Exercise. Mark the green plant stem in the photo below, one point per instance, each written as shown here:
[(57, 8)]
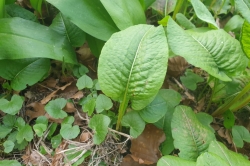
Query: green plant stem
[(227, 105), (243, 104), (121, 112), (2, 3), (178, 7)]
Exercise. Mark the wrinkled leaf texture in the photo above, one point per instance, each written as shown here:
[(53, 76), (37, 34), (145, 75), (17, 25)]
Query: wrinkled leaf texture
[(133, 64), (214, 51)]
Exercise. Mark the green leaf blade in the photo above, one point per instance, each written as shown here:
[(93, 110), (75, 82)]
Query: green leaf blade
[(99, 123), (215, 51), (103, 103), (190, 136), (54, 108), (244, 8), (174, 161), (245, 38), (11, 107), (139, 70), (31, 41), (90, 16)]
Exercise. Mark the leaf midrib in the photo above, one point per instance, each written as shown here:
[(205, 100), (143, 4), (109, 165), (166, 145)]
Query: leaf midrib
[(132, 66)]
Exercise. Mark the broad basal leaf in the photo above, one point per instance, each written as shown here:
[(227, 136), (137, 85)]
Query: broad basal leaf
[(63, 26), (133, 64), (13, 106), (125, 13), (215, 51), (245, 38), (234, 24), (99, 123), (90, 16), (23, 72), (230, 157), (174, 161), (190, 136), (69, 132), (84, 82), (25, 133), (243, 6), (8, 146), (184, 22), (202, 12), (165, 100), (31, 41)]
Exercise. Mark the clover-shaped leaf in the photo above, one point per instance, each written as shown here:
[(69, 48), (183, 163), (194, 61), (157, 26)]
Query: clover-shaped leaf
[(54, 108), (69, 132), (191, 79), (13, 106), (103, 103), (39, 129), (25, 133), (8, 146), (84, 82)]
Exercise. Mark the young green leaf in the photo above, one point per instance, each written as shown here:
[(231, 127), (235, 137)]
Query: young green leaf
[(56, 140), (4, 131), (99, 123), (63, 26), (139, 70), (125, 13), (84, 82), (203, 13), (37, 5), (8, 146), (13, 106), (133, 120), (230, 157), (229, 119), (20, 123), (52, 130), (89, 106), (9, 120), (39, 129), (10, 163), (25, 133), (234, 24), (68, 120), (190, 136), (90, 18), (243, 6), (215, 51), (79, 70), (103, 103), (42, 120), (240, 134), (245, 38), (184, 22), (29, 35), (54, 108), (191, 79), (165, 100), (174, 161), (69, 132)]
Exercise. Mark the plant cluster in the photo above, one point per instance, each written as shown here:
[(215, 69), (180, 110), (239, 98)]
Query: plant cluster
[(132, 64)]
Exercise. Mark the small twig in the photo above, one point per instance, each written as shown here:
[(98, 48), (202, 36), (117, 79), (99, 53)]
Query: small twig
[(87, 146), (120, 133), (43, 156), (183, 88)]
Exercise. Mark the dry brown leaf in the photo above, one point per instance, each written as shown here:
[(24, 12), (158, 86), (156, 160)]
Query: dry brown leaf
[(50, 83), (58, 157), (69, 108), (129, 161), (85, 136), (176, 66), (146, 147), (224, 133), (34, 110), (84, 53), (78, 95), (51, 95)]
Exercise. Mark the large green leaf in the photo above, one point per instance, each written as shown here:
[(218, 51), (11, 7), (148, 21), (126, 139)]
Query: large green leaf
[(210, 159), (202, 12), (190, 136), (243, 6), (245, 38), (125, 13), (230, 157), (174, 161), (23, 72), (215, 51), (63, 26), (27, 39), (133, 64), (88, 15)]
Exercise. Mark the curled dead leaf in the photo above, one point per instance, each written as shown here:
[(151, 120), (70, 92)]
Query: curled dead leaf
[(34, 110), (176, 66)]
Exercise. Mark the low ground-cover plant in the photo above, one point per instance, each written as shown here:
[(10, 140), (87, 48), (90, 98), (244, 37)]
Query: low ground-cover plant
[(131, 70)]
